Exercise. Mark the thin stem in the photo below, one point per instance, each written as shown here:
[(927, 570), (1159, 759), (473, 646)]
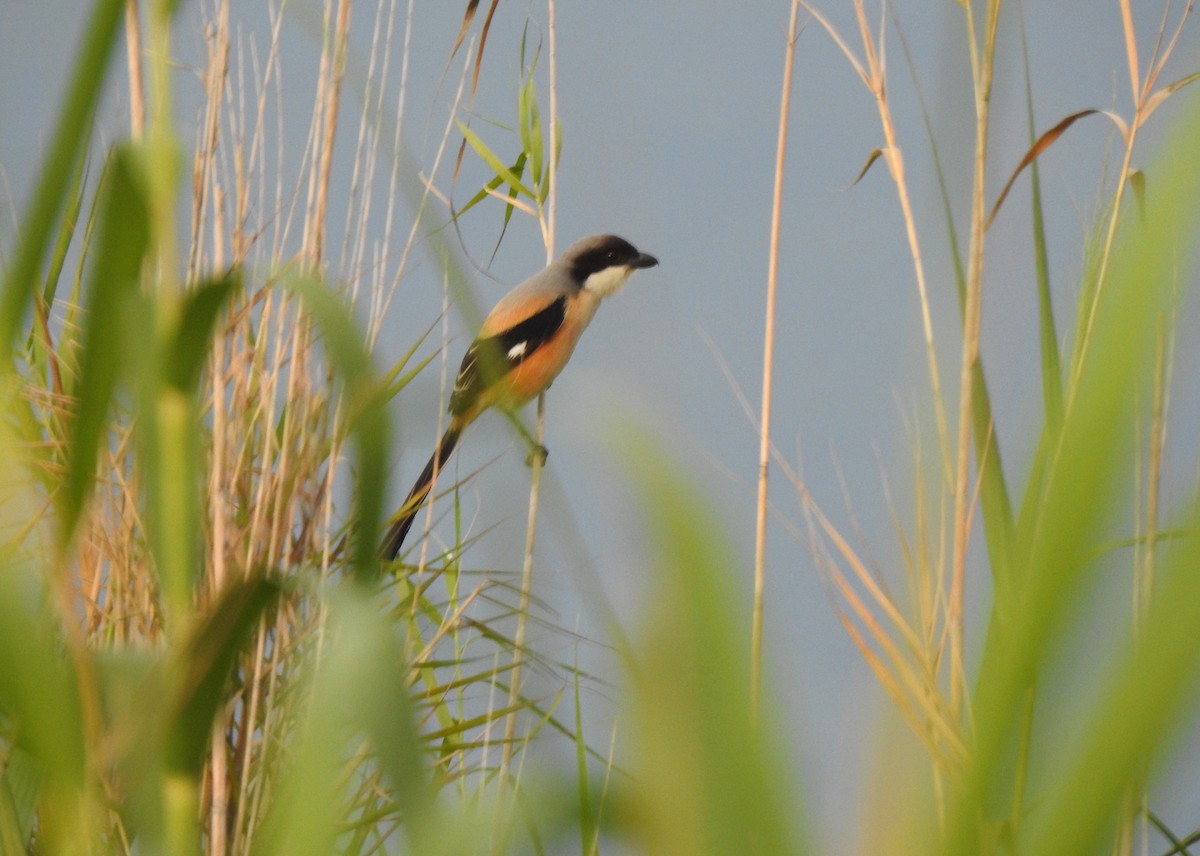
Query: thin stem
[(552, 178), (333, 90), (133, 52), (876, 78), (764, 447), (982, 66), (535, 478), (514, 691)]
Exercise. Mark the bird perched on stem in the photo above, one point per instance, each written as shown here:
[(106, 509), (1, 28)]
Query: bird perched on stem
[(523, 344)]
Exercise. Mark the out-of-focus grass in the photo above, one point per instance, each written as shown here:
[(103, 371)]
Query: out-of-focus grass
[(707, 775), (198, 652), (1000, 783)]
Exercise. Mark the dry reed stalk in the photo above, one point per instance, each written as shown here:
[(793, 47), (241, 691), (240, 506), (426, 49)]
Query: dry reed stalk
[(1146, 99), (524, 598), (552, 177), (911, 671), (271, 425), (982, 66), (268, 479), (872, 70), (133, 52), (546, 220), (764, 427), (216, 73)]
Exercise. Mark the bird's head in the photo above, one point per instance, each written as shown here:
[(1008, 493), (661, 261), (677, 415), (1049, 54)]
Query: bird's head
[(602, 263)]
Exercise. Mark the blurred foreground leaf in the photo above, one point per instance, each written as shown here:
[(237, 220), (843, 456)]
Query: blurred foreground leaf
[(1079, 482), (356, 690), (709, 778), (59, 168), (120, 250), (365, 398)]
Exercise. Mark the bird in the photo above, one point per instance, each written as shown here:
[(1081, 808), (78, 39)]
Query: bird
[(522, 346)]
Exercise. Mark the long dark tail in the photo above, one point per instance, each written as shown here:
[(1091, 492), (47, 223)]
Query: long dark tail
[(420, 491)]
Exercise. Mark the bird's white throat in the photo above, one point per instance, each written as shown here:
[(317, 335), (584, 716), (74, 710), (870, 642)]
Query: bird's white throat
[(602, 283)]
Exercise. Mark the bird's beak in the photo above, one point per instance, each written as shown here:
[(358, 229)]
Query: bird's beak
[(645, 260)]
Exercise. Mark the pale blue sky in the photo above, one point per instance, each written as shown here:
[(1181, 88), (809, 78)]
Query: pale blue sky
[(669, 114)]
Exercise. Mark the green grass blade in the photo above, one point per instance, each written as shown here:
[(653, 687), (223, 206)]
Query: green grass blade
[(1148, 692), (587, 821), (366, 414), (995, 503), (494, 163), (529, 119), (66, 232), (38, 698), (707, 775), (1086, 466), (205, 663), (357, 689), (66, 146), (518, 169), (1052, 401), (192, 341), (120, 250), (18, 800)]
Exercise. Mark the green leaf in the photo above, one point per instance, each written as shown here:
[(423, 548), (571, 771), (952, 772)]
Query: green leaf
[(707, 780), (38, 696), (366, 413), (205, 663), (357, 688), (191, 343), (1086, 462), (118, 255), (530, 123), (1151, 686), (494, 163), (518, 168), (18, 800), (58, 169)]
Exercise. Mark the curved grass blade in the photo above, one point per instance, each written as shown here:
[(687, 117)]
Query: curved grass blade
[(205, 663), (1085, 463), (875, 155), (66, 146), (708, 778), (356, 689), (468, 17), (1043, 142), (120, 250), (366, 413), (494, 163), (190, 346)]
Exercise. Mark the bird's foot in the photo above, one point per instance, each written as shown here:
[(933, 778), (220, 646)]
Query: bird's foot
[(539, 453)]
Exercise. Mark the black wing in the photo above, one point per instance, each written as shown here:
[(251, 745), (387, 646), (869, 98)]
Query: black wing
[(489, 359)]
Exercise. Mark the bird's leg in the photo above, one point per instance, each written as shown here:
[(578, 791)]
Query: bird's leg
[(536, 449)]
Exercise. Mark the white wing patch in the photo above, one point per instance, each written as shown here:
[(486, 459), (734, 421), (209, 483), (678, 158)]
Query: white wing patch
[(517, 351)]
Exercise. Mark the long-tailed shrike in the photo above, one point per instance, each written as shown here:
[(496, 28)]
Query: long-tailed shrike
[(524, 343)]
